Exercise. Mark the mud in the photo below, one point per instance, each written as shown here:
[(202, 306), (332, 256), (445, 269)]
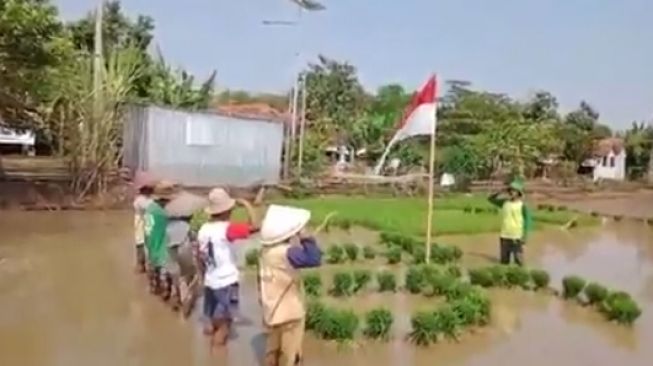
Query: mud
[(69, 297)]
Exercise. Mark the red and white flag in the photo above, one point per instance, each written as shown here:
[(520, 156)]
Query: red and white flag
[(418, 119)]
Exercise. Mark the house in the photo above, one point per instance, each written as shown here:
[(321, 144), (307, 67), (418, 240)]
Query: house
[(608, 159), (202, 149)]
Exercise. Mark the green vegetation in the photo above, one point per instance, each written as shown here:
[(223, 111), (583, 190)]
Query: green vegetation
[(621, 308), (315, 313), (387, 281), (481, 277), (335, 254), (393, 255), (425, 328), (541, 279), (595, 293), (362, 278), (312, 284), (369, 252), (352, 251), (343, 284), (378, 323), (251, 257), (415, 279), (401, 220), (518, 276), (572, 286), (337, 325)]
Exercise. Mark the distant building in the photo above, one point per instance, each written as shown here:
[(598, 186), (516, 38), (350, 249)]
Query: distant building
[(203, 149), (608, 159)]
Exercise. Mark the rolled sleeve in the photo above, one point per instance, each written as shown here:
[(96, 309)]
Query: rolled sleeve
[(306, 255)]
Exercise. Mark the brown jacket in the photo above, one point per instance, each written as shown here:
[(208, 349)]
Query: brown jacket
[(280, 286)]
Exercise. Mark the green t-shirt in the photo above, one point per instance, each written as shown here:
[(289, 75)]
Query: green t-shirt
[(156, 238)]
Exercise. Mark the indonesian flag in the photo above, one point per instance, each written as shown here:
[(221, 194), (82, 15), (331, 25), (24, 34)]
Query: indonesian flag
[(418, 119)]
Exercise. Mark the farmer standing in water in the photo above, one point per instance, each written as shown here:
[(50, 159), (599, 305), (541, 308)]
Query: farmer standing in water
[(286, 249), (515, 222)]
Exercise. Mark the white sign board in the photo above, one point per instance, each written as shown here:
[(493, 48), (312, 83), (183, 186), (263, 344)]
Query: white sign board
[(12, 137)]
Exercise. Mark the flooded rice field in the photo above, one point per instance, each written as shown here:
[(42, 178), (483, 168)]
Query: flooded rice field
[(68, 296)]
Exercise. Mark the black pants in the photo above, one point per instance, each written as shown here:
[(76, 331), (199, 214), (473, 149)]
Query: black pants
[(511, 247)]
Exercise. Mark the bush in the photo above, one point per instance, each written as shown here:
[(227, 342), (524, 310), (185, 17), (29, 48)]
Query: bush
[(444, 254), (343, 284), (499, 275), (457, 289), (454, 271), (595, 293), (572, 286), (312, 284), (315, 313), (448, 322), (415, 279), (352, 251), (251, 257), (419, 255), (378, 323), (481, 276), (424, 328), (335, 254), (387, 281), (393, 255), (439, 284), (361, 278), (369, 252), (621, 308), (518, 276), (473, 309), (540, 279), (338, 325)]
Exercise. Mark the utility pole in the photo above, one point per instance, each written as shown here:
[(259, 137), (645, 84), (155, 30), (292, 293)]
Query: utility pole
[(302, 127), (97, 55)]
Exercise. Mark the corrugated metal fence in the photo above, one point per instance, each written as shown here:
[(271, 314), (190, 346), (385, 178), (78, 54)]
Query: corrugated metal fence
[(202, 149)]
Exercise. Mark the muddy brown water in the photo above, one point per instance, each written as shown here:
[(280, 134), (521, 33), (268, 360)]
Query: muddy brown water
[(68, 296)]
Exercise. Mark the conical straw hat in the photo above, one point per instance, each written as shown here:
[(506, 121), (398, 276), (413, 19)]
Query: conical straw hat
[(185, 204), (282, 222)]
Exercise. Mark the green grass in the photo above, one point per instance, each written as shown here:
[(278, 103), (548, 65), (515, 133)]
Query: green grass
[(453, 214), (407, 215)]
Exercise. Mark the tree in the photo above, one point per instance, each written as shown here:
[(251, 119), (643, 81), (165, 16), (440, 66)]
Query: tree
[(31, 43), (639, 144), (177, 88), (542, 107), (335, 98), (583, 118), (118, 30)]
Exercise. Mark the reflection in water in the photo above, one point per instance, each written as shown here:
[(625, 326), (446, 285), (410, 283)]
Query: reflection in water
[(69, 297)]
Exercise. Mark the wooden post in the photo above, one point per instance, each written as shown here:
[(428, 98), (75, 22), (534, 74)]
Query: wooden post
[(429, 214)]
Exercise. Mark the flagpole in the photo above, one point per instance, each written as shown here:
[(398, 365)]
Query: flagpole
[(429, 214)]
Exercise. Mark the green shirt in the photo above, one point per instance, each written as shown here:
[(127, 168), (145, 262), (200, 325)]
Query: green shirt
[(516, 220), (156, 238)]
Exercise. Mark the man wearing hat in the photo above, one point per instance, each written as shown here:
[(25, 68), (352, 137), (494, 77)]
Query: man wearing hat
[(144, 185), (156, 222), (221, 274), (179, 267), (285, 250), (516, 222)]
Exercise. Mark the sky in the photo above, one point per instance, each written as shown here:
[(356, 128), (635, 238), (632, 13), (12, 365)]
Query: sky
[(597, 50)]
